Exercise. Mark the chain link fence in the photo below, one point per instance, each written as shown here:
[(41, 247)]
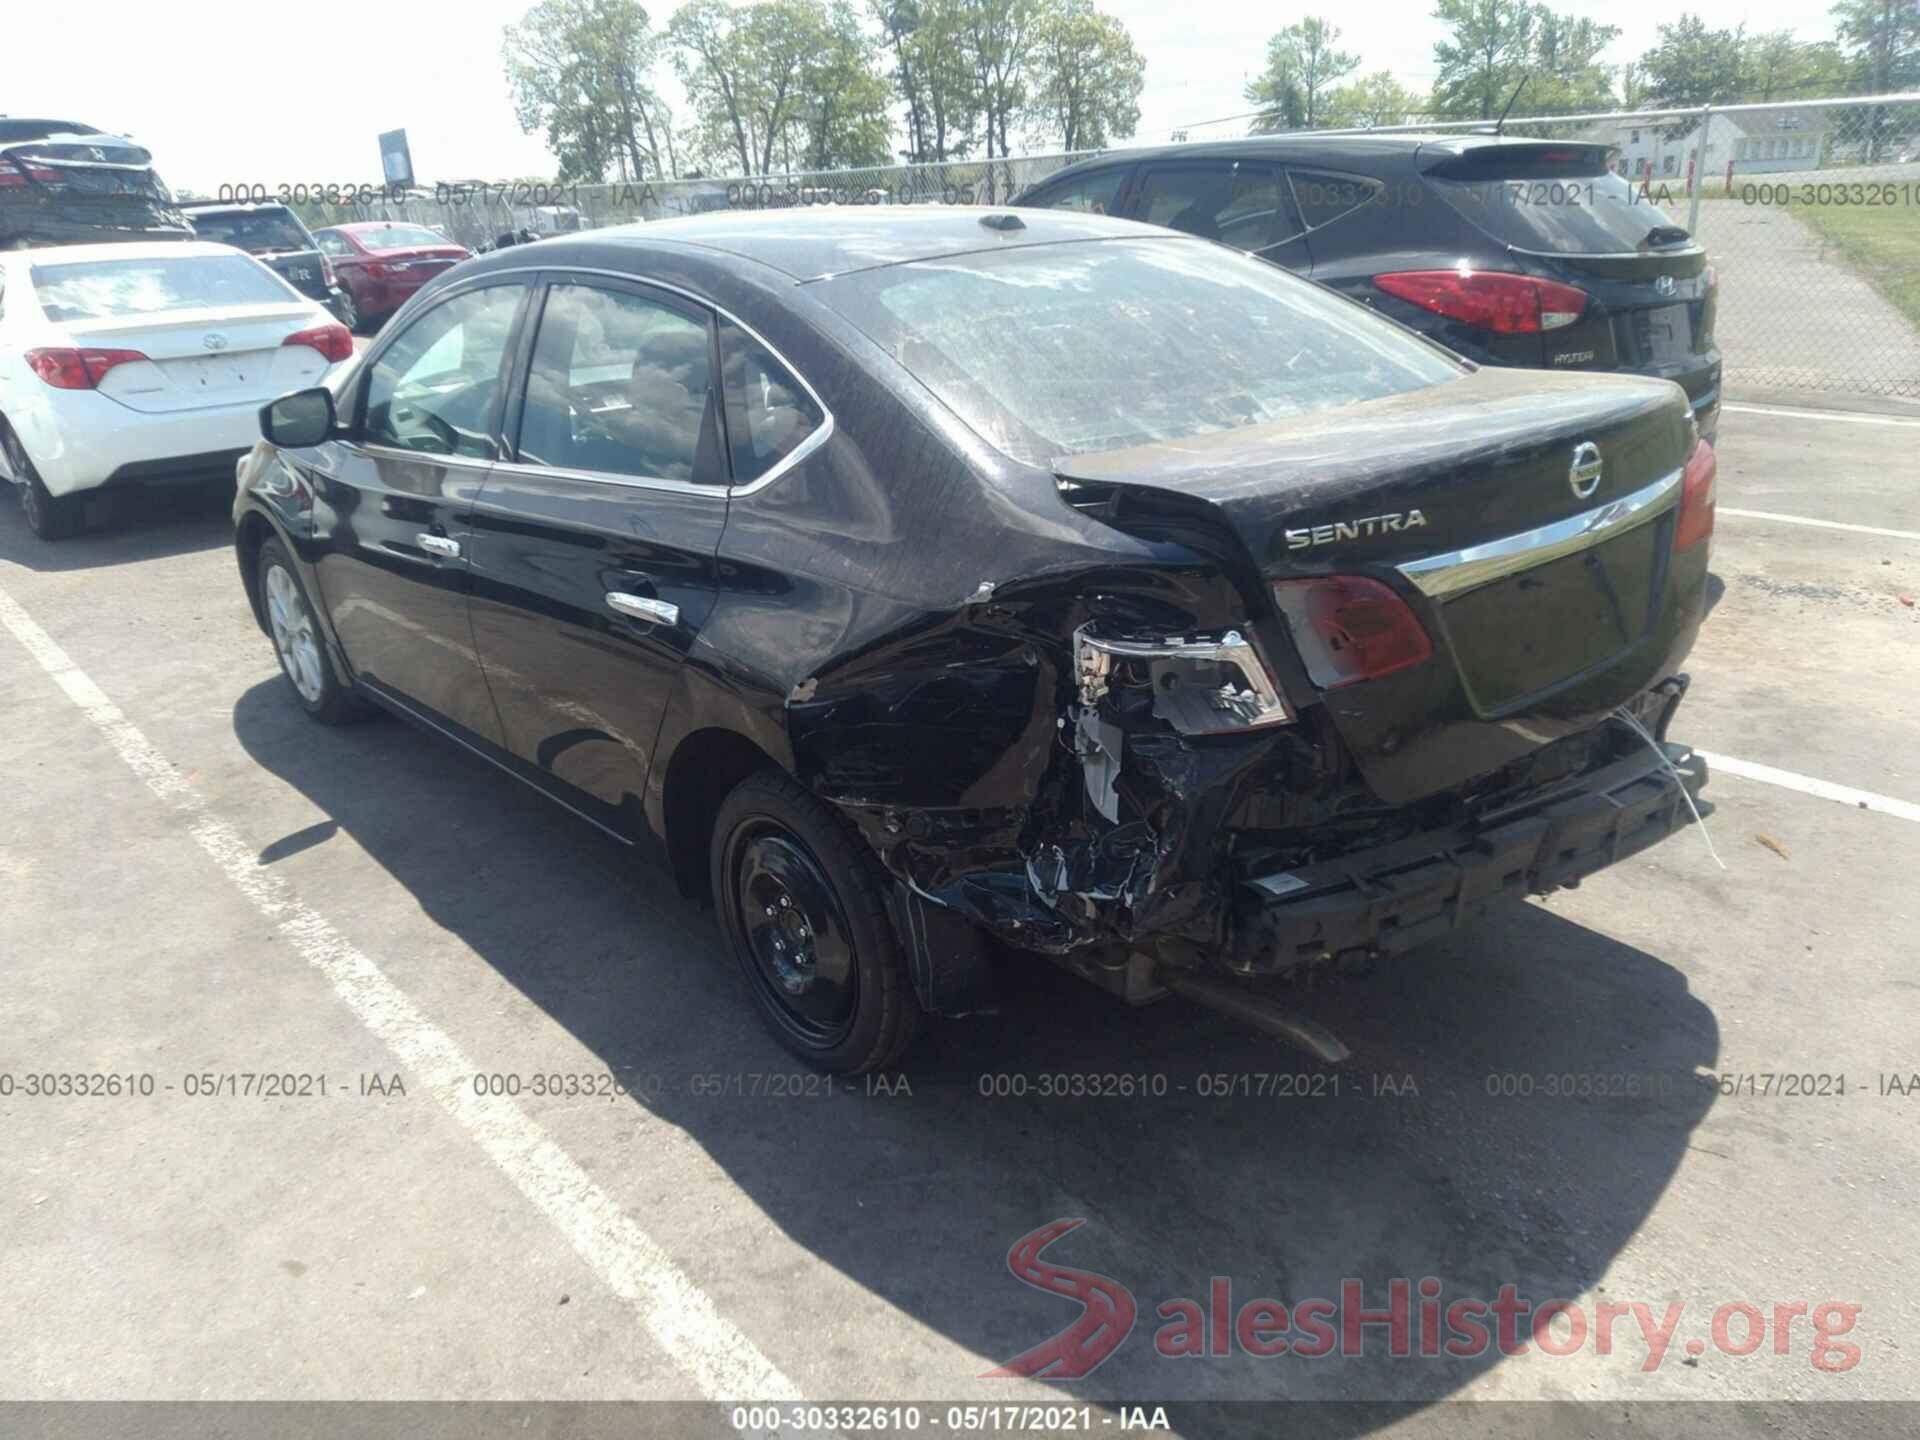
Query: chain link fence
[(1810, 212)]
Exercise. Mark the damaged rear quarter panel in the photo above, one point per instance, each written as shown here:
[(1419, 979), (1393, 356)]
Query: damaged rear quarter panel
[(896, 616)]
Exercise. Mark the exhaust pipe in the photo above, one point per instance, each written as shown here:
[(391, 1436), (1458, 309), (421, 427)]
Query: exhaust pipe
[(1263, 1014)]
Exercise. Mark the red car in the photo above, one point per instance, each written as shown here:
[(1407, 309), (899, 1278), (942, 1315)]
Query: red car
[(380, 263)]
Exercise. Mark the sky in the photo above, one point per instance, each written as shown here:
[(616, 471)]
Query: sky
[(224, 92)]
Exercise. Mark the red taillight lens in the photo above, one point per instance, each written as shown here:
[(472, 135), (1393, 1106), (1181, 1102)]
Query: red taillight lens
[(1489, 299), (333, 341), (375, 269), (78, 369), (326, 272), (1696, 498), (16, 172), (1350, 628)]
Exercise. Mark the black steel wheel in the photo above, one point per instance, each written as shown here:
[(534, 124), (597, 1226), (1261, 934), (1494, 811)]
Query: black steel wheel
[(803, 903)]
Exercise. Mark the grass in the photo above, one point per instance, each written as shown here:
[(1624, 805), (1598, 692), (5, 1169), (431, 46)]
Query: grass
[(1881, 242)]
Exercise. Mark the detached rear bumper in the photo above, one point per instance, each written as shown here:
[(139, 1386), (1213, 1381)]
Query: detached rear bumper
[(1398, 896)]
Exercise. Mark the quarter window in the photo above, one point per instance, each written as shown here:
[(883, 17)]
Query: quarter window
[(331, 244), (622, 384), (433, 389), (769, 412), (1324, 198), (1089, 194)]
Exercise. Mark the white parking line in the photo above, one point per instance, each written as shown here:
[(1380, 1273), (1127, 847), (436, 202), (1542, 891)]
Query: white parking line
[(722, 1361), (1817, 524), (1839, 417), (1807, 785)]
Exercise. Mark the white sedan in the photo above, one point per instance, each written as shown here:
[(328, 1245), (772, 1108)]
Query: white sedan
[(143, 364)]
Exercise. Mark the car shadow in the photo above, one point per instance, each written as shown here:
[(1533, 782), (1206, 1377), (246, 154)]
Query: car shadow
[(123, 527), (1461, 1142)]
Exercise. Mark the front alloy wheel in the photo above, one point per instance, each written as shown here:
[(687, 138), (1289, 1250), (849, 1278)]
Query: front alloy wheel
[(297, 641)]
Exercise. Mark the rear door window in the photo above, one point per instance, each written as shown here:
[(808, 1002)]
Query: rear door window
[(1563, 201), (622, 384), (1090, 194), (1234, 202)]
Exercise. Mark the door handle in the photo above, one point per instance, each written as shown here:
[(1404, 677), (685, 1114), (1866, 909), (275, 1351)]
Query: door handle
[(642, 607), (439, 545)]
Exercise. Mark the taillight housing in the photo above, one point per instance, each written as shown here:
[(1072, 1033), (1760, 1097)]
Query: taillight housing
[(333, 341), (1489, 299), (66, 369), (1696, 497), (1349, 628), (18, 172), (326, 272)]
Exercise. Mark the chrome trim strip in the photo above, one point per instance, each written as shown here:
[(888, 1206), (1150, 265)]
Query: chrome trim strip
[(1094, 657), (413, 457), (799, 452), (1439, 576)]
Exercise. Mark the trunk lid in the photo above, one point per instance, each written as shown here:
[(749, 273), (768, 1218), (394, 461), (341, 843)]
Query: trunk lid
[(197, 359), (1546, 606)]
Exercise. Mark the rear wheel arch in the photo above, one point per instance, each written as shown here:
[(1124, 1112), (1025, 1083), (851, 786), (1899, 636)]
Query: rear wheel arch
[(704, 769)]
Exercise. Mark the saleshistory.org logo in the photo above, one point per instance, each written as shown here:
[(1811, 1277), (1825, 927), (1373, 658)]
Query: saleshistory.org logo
[(1413, 1321)]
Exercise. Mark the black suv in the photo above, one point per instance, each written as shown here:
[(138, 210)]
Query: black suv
[(1510, 252), (63, 182), (275, 236)]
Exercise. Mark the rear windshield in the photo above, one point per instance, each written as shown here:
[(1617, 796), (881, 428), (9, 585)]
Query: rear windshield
[(1566, 202), (1061, 349), (100, 289), (399, 237), (259, 232), (12, 131)]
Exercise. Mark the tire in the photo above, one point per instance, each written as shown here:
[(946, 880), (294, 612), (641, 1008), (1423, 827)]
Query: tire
[(50, 516), (349, 311), (297, 641), (802, 901)]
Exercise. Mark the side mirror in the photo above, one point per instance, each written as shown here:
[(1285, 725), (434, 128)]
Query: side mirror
[(299, 420)]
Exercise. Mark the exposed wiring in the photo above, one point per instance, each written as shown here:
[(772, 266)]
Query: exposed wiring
[(1634, 724)]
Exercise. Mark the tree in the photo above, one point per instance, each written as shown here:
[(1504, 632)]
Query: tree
[(1483, 58), (780, 79), (1378, 99), (1776, 66), (1565, 74), (1303, 64), (580, 70), (1693, 65), (938, 48), (1088, 76), (845, 121), (1002, 36), (1883, 40)]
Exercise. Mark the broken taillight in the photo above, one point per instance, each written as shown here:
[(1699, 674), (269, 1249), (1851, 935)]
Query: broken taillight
[(1696, 497), (1349, 628)]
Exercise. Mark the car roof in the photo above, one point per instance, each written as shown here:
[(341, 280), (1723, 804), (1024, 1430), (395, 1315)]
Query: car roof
[(1357, 149), (367, 227), (15, 128), (811, 243), (134, 250), (237, 207)]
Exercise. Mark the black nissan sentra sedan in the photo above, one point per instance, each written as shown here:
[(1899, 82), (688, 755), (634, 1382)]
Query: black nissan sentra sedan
[(1510, 251), (943, 583)]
